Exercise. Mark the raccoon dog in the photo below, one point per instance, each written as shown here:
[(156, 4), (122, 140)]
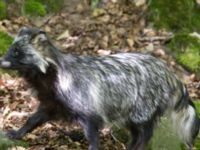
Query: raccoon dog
[(131, 90)]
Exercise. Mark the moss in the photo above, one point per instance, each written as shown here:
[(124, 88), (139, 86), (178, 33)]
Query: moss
[(186, 51), (191, 59), (6, 143), (197, 106), (34, 8), (177, 15), (3, 13), (164, 137), (5, 42)]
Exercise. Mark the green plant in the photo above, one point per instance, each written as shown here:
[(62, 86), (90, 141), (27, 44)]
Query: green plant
[(34, 8), (52, 5), (197, 105), (3, 11), (191, 59), (6, 143), (176, 15), (5, 42), (164, 137), (186, 51)]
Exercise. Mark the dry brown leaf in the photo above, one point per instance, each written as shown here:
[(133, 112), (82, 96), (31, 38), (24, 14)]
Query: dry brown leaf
[(130, 42), (160, 53), (104, 52), (17, 148), (15, 114), (31, 136), (64, 35), (139, 3), (98, 12), (104, 19)]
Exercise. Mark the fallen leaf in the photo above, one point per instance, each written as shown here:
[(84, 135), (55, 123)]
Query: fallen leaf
[(104, 52), (98, 12), (17, 148), (139, 3), (105, 18), (31, 136), (160, 53), (130, 42), (64, 35)]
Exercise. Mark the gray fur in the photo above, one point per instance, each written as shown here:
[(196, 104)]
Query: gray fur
[(126, 89)]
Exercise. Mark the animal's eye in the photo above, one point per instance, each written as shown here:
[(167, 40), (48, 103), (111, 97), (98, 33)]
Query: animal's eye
[(16, 53)]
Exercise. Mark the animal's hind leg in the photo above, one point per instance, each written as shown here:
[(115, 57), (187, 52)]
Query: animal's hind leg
[(91, 131), (140, 136), (134, 135)]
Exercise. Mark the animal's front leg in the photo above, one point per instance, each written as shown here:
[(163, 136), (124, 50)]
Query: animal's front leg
[(37, 119)]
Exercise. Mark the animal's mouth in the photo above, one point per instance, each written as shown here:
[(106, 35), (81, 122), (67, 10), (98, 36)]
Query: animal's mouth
[(6, 64)]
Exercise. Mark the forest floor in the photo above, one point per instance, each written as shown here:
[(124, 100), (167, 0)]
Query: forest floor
[(110, 29)]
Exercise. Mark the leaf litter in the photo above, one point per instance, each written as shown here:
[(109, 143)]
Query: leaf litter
[(109, 29)]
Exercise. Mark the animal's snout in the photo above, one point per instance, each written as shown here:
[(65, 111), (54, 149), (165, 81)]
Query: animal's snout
[(4, 63)]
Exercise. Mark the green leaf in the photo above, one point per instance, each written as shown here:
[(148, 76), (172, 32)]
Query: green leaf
[(175, 15), (5, 42), (34, 8), (186, 51), (3, 12)]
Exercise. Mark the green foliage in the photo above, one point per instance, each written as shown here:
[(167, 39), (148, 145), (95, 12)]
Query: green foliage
[(52, 5), (164, 137), (6, 143), (5, 42), (94, 3), (186, 51), (3, 12), (197, 105), (190, 59), (176, 15), (34, 8), (10, 1), (31, 7)]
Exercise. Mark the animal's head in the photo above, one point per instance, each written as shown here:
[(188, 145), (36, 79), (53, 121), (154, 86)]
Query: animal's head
[(31, 49)]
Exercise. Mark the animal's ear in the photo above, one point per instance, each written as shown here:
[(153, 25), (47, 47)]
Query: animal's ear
[(23, 31), (35, 34), (23, 35), (39, 37)]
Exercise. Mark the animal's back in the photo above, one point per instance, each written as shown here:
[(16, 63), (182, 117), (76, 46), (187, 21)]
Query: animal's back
[(127, 84)]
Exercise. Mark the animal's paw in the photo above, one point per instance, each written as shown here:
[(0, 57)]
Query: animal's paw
[(14, 135)]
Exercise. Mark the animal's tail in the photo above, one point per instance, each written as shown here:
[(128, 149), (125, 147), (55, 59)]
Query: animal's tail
[(185, 120)]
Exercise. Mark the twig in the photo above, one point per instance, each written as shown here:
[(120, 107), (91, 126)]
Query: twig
[(155, 38)]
